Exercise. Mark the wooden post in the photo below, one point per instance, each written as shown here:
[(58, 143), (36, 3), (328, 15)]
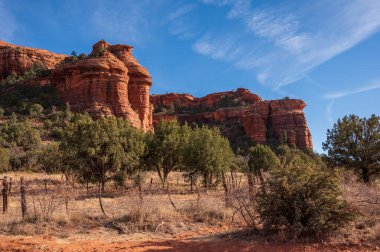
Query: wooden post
[(5, 194), (10, 186), (23, 198), (191, 183)]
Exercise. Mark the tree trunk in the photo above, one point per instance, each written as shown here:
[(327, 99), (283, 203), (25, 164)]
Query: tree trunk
[(191, 183), (103, 182), (100, 199), (162, 178), (5, 195), (23, 198), (233, 183), (205, 181), (250, 186), (226, 192), (365, 174), (170, 199), (261, 178)]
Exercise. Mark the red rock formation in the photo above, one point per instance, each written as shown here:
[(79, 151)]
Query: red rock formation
[(261, 120), (19, 59), (109, 82), (211, 100)]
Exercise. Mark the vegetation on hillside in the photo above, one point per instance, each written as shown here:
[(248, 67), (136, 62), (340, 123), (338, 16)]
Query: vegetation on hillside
[(287, 190)]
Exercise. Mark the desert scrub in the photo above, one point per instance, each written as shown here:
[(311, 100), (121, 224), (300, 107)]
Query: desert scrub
[(303, 199), (207, 211)]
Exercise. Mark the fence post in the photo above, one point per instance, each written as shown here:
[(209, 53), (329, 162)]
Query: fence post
[(10, 186), (23, 197), (5, 194)]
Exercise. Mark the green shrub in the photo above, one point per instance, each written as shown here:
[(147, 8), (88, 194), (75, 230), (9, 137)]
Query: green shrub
[(4, 159), (82, 56), (1, 112), (303, 199), (20, 134), (35, 110), (48, 124)]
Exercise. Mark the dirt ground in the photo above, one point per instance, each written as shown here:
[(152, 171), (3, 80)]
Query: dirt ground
[(185, 243)]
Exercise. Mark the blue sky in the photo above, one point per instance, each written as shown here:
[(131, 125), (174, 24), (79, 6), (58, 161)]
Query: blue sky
[(324, 52)]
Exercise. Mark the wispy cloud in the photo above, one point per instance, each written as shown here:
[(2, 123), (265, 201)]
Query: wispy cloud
[(123, 21), (7, 23), (180, 22), (224, 49), (286, 44), (340, 94), (182, 10), (329, 112)]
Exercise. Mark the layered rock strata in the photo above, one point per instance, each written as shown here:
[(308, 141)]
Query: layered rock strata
[(262, 120), (108, 82)]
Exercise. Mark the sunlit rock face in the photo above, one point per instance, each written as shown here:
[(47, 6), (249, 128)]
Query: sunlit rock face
[(108, 82), (262, 120), (18, 59)]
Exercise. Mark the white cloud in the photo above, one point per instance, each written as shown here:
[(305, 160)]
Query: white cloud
[(181, 22), (340, 94), (217, 2), (224, 48), (124, 21), (7, 23), (287, 44), (329, 112), (182, 10)]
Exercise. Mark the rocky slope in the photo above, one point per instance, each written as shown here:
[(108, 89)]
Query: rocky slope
[(262, 121), (108, 82)]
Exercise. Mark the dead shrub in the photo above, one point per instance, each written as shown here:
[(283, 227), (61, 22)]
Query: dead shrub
[(210, 211), (46, 202), (145, 215), (243, 206)]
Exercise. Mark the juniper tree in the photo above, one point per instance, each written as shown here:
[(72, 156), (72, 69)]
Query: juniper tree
[(354, 142)]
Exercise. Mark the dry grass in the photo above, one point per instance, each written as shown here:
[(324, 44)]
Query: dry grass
[(56, 208), (63, 211), (366, 199)]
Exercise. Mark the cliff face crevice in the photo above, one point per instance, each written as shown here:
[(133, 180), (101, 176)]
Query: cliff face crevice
[(263, 121)]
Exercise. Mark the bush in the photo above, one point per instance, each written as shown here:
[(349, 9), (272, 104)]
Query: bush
[(35, 110), (303, 199), (82, 56), (4, 160)]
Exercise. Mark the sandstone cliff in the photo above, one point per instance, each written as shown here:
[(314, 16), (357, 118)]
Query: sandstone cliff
[(18, 59), (108, 82), (262, 121)]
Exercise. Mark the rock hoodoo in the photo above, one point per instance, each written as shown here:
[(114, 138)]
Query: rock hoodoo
[(108, 82), (261, 120)]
